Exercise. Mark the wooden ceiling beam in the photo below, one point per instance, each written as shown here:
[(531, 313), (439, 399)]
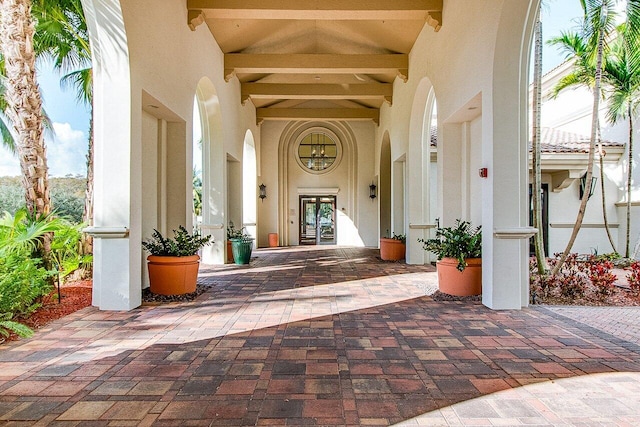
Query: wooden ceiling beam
[(315, 64), (317, 114), (317, 91), (352, 10)]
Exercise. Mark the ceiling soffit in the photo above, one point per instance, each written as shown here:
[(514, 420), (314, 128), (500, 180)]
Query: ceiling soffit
[(288, 53)]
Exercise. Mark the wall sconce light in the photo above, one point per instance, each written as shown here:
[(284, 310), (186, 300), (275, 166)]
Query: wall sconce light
[(583, 185), (372, 191), (263, 192)]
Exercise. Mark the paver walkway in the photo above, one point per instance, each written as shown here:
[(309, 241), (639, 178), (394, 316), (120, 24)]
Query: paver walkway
[(320, 336)]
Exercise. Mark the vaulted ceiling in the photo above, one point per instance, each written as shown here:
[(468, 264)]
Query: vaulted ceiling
[(316, 59)]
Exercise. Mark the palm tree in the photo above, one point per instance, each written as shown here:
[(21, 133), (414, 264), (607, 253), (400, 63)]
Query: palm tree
[(583, 74), (599, 21), (536, 184), (61, 35), (6, 133), (24, 103), (623, 79)]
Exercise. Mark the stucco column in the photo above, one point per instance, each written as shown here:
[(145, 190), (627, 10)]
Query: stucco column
[(450, 174), (117, 250), (505, 273)]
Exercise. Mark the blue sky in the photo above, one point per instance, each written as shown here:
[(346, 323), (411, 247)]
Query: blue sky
[(66, 149)]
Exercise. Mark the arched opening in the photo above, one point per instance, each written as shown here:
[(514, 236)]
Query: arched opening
[(207, 108), (197, 166), (398, 183), (249, 186), (430, 158), (385, 187), (422, 166)]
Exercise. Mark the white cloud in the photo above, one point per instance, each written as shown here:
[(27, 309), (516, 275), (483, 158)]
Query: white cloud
[(9, 165), (66, 153)]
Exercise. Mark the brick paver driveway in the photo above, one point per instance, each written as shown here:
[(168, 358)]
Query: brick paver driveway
[(320, 336)]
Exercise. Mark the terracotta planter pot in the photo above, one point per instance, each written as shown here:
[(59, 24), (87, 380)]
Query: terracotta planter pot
[(229, 252), (460, 283), (392, 249), (173, 275), (273, 240)]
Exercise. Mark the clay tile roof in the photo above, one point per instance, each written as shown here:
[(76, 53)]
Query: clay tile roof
[(553, 141), (558, 141)]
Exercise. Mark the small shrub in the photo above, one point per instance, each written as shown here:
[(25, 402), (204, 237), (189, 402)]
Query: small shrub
[(634, 276), (570, 282), (23, 281), (66, 251), (539, 286), (599, 271), (611, 256), (572, 285)]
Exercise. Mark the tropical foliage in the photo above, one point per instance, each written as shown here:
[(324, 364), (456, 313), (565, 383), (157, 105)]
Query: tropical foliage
[(183, 243), (24, 279), (461, 241)]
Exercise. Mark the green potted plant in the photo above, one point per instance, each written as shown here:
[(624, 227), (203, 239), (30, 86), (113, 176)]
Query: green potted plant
[(459, 252), (393, 248), (173, 262), (232, 233), (241, 246)]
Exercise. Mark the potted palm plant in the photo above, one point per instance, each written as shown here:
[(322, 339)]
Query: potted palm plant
[(173, 262), (459, 252)]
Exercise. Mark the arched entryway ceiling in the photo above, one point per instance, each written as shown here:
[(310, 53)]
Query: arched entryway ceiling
[(316, 59)]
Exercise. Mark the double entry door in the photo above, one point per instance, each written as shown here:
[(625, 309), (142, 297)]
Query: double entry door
[(317, 220)]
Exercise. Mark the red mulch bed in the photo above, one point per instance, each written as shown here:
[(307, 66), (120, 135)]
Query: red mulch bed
[(75, 296)]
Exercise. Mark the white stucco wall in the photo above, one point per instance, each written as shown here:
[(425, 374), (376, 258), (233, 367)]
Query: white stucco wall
[(563, 208)]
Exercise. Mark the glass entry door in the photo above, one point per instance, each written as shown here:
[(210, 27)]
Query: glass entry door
[(317, 220)]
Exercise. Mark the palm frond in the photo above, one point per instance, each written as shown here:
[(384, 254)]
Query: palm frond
[(62, 37), (8, 141), (82, 82)]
